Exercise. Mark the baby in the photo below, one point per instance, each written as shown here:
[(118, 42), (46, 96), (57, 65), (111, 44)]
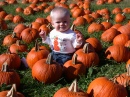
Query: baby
[(62, 40)]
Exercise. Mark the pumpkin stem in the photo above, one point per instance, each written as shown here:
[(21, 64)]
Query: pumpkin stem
[(74, 59), (49, 26), (36, 45), (18, 42), (73, 27), (128, 70), (86, 47), (74, 87), (13, 35), (5, 67), (12, 92), (49, 59)]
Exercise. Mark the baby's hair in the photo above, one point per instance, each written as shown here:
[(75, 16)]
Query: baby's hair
[(60, 10)]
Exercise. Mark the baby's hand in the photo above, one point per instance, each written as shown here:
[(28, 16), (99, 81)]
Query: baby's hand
[(42, 34), (79, 38)]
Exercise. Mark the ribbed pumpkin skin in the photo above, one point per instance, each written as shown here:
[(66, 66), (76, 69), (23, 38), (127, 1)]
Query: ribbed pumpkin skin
[(88, 59), (47, 73), (9, 77), (109, 35), (103, 87), (33, 56), (64, 92), (72, 71), (13, 60), (29, 34), (4, 93), (118, 53)]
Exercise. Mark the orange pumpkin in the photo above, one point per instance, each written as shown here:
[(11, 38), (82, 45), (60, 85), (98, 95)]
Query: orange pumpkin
[(103, 87), (73, 69), (36, 53), (73, 90), (45, 69)]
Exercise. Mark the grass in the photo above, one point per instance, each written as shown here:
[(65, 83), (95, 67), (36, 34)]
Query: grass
[(32, 88)]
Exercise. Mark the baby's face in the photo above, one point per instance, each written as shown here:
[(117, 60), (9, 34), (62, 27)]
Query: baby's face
[(61, 23)]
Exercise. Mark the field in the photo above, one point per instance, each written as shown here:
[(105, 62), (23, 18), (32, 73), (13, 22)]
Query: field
[(107, 68)]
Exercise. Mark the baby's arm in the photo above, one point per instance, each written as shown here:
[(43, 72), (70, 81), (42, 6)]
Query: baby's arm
[(79, 38), (42, 34)]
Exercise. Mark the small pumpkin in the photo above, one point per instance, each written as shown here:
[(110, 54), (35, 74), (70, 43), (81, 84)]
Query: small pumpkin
[(9, 39), (73, 69), (18, 47)]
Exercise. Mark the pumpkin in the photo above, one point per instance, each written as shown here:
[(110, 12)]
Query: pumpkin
[(79, 21), (9, 17), (45, 69), (103, 87), (41, 20), (2, 14), (9, 39), (28, 11), (116, 26), (120, 17), (11, 93), (35, 25), (3, 24), (88, 18), (29, 34), (116, 10), (121, 39), (125, 29), (118, 53), (36, 53), (12, 59), (87, 55), (19, 10), (124, 78), (18, 29), (18, 19), (73, 69), (95, 43), (106, 24), (72, 91), (95, 27), (18, 47), (9, 76), (77, 12), (109, 35)]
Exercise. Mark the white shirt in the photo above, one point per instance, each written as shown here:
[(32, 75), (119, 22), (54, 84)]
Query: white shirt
[(62, 42)]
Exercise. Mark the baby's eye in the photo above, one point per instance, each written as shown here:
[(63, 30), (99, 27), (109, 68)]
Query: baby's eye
[(65, 21), (57, 22)]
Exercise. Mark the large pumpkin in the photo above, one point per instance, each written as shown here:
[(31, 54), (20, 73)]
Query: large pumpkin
[(45, 69), (118, 53), (36, 53), (103, 87), (72, 91)]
